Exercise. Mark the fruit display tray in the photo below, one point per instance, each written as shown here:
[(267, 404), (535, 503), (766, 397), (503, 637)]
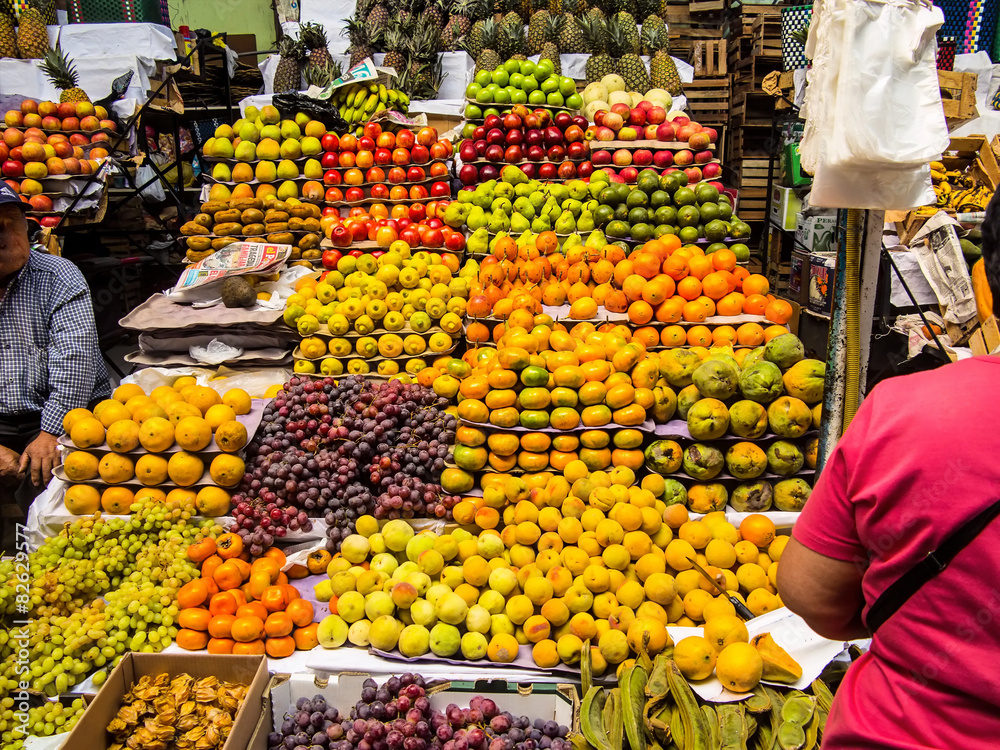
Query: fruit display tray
[(533, 107), (324, 331), (369, 200), (251, 421), (134, 484), (297, 354), (677, 429), (652, 145), (483, 162), (487, 427), (297, 233), (326, 244), (88, 133), (304, 159)]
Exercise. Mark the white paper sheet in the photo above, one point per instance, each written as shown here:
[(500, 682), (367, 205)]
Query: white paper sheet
[(906, 261)]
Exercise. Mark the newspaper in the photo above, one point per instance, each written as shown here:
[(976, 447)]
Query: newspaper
[(939, 254), (232, 260)]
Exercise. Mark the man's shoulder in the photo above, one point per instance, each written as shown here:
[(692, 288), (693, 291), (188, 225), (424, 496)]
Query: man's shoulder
[(43, 263)]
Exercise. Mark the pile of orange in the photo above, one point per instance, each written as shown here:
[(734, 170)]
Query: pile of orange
[(662, 281), (241, 608)]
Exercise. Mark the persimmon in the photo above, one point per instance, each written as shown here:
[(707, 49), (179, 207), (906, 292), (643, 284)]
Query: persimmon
[(209, 566), (244, 567), (282, 579), (278, 624), (266, 565), (194, 618), (253, 648), (279, 648), (192, 640), (192, 594), (213, 587), (221, 645), (254, 609), (229, 546), (227, 576), (248, 628), (221, 626), (259, 582), (307, 638), (291, 593), (301, 612), (274, 598), (202, 550), (223, 603), (273, 553)]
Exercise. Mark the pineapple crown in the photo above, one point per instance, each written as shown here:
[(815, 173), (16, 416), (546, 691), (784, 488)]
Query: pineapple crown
[(617, 43), (7, 9), (552, 26), (514, 37), (312, 35), (490, 34), (594, 31), (655, 38), (291, 48), (322, 75), (569, 7), (462, 8), (59, 69)]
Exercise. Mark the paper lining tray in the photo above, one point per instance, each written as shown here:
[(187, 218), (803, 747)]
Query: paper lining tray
[(297, 354)]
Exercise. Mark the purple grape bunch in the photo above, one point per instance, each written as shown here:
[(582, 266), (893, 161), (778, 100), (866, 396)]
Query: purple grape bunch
[(342, 449), (398, 716)]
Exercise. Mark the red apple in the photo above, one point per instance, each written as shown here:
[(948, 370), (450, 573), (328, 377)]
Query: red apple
[(513, 138), (711, 171), (584, 169), (694, 175), (656, 115), (683, 158), (637, 117), (601, 156), (71, 123), (703, 157), (13, 169), (681, 120), (663, 158), (622, 157), (649, 132), (577, 150), (416, 174), (488, 172), (629, 175), (468, 174), (547, 171), (643, 157), (621, 109), (556, 153), (513, 154), (535, 153), (712, 133), (567, 170), (699, 141), (613, 120), (72, 165), (529, 170), (441, 189), (605, 134), (573, 133), (494, 152), (599, 116)]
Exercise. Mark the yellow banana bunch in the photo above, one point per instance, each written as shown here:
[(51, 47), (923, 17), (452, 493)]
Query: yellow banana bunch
[(357, 102)]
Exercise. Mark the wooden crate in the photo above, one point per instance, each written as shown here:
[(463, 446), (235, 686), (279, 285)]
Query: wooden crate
[(751, 71), (766, 35), (708, 100), (709, 59), (958, 94), (707, 6), (742, 19), (750, 143), (753, 110)]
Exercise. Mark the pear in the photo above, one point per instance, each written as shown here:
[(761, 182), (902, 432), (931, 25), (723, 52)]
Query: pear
[(289, 129), (513, 175), (575, 207), (219, 192), (541, 224), (572, 241), (553, 210), (537, 200), (268, 114), (595, 188), (246, 151), (252, 113), (242, 172), (258, 123), (221, 172), (249, 133), (265, 171), (596, 240), (456, 213), (225, 131), (477, 218), (502, 204), (523, 206), (577, 189), (464, 196), (313, 169), (268, 148), (310, 146), (288, 189), (222, 149), (287, 170), (586, 222), (559, 191), (270, 131), (478, 241), (239, 124), (505, 190), (499, 222), (301, 119), (291, 149), (519, 224), (779, 666)]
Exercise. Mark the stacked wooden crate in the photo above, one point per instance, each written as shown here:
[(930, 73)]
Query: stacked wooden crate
[(754, 51), (708, 94), (692, 21)]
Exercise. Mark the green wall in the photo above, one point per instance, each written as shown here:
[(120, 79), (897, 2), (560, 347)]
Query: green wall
[(232, 16)]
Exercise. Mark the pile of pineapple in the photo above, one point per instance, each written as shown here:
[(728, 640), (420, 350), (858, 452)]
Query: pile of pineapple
[(26, 37)]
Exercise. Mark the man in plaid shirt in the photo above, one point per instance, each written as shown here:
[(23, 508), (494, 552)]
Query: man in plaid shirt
[(49, 358)]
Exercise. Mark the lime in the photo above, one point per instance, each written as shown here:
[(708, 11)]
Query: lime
[(709, 211), (688, 234), (574, 101), (663, 229), (688, 216), (659, 198), (715, 231), (638, 215), (555, 99), (682, 178), (637, 198), (617, 229), (715, 246), (724, 198), (609, 197), (684, 196), (603, 214), (741, 251), (707, 193), (642, 232), (648, 183), (740, 230), (665, 215), (621, 212), (527, 67), (623, 191), (536, 97), (725, 211), (484, 78), (501, 77), (550, 84)]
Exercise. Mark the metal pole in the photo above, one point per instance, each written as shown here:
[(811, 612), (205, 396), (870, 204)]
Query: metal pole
[(870, 264)]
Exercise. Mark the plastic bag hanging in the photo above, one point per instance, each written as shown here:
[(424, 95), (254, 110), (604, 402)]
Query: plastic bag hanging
[(874, 119)]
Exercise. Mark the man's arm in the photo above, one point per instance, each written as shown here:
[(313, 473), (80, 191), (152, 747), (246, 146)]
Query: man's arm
[(824, 592), (10, 471)]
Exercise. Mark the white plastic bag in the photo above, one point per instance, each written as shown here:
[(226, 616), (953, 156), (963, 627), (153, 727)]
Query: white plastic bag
[(873, 111), (215, 353), (153, 191)]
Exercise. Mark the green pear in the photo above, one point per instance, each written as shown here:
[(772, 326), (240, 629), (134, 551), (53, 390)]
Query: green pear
[(259, 123), (268, 148), (505, 189), (464, 196), (289, 129), (572, 241), (541, 223), (577, 189), (479, 241), (566, 223), (287, 170), (313, 169), (559, 191), (222, 148), (585, 223), (270, 131), (221, 172), (456, 214), (249, 133), (477, 218), (499, 222), (310, 146), (553, 211), (482, 199), (288, 189), (523, 190), (523, 206), (291, 149), (512, 174), (537, 200), (596, 240), (246, 151), (301, 119), (239, 124), (502, 204), (519, 224), (575, 207), (265, 171)]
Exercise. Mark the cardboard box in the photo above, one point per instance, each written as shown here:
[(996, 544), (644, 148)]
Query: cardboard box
[(822, 270), (974, 151), (91, 732), (798, 277), (816, 233), (557, 702), (785, 206)]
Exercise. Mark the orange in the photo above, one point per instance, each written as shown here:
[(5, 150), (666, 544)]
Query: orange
[(779, 311), (689, 288), (673, 336), (756, 284), (640, 312), (724, 259), (676, 266), (656, 248), (740, 273), (670, 311), (750, 334), (755, 304), (633, 286), (757, 529), (708, 304), (715, 285), (724, 336), (658, 290), (647, 265), (771, 331), (699, 336), (647, 336), (731, 304), (694, 312), (701, 266)]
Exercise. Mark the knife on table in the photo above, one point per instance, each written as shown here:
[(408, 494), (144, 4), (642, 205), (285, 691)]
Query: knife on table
[(741, 608)]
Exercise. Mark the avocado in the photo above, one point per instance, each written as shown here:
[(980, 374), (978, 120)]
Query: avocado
[(971, 251), (237, 292)]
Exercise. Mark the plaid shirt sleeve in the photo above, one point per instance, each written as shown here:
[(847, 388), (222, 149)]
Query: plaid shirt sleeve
[(72, 368)]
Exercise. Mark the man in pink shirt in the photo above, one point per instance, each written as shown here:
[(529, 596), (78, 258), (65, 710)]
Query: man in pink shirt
[(920, 459)]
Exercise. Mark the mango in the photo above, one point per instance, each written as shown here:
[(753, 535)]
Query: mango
[(784, 350), (664, 456), (804, 380), (761, 382)]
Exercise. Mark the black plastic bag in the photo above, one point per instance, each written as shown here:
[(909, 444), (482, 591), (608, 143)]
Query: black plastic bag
[(291, 102)]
